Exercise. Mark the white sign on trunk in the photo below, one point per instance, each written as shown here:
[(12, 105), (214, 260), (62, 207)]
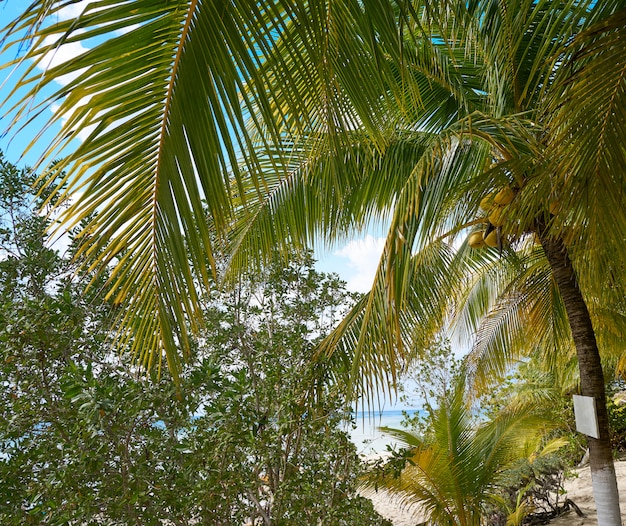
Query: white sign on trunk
[(586, 416)]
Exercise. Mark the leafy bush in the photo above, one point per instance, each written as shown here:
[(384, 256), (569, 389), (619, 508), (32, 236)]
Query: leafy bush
[(253, 433), (530, 489), (617, 416)]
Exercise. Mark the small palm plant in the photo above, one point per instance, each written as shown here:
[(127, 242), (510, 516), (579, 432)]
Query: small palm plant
[(453, 470)]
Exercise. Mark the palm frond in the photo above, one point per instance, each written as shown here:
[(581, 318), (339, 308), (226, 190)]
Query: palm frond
[(172, 95), (586, 117), (454, 474)]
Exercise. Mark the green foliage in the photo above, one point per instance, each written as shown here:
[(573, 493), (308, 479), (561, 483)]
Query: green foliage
[(526, 481), (617, 415), (455, 470), (529, 486), (252, 432), (276, 417), (530, 384), (429, 380)]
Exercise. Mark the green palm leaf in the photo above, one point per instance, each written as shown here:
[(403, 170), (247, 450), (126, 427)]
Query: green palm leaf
[(453, 473), (586, 112), (172, 96)]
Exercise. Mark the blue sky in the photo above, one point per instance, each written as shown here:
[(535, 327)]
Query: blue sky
[(13, 140)]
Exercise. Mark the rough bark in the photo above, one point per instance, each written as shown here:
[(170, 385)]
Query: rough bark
[(604, 482)]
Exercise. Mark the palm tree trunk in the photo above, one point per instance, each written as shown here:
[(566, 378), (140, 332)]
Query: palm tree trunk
[(603, 477)]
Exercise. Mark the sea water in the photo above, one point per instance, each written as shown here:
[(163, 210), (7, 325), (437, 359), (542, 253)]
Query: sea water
[(368, 438)]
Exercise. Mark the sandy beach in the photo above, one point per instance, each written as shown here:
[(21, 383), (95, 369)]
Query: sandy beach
[(390, 508), (578, 490)]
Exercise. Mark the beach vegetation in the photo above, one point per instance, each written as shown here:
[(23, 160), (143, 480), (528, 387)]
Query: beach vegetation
[(468, 470), (253, 433), (527, 486), (294, 121)]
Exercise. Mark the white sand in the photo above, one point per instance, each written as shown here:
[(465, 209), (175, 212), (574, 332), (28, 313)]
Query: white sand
[(388, 505), (391, 509), (578, 490)]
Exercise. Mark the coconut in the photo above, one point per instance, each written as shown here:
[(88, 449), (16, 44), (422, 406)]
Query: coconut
[(504, 196), (486, 202), (475, 240), (492, 239), (496, 218)]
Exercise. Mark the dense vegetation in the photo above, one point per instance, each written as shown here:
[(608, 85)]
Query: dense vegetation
[(254, 430), (488, 135), (496, 459)]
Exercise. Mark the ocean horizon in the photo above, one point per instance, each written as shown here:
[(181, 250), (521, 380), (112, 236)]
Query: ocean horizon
[(367, 437)]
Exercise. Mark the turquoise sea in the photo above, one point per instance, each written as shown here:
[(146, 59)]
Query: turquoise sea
[(368, 439)]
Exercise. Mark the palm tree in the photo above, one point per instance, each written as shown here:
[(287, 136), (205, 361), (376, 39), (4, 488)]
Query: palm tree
[(169, 96), (530, 66), (342, 112), (514, 80), (453, 472)]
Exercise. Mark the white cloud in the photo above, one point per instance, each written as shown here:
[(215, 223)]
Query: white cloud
[(73, 10), (77, 9), (66, 53), (362, 257), (61, 55)]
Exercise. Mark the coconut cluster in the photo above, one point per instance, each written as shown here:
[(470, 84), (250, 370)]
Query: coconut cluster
[(494, 205)]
